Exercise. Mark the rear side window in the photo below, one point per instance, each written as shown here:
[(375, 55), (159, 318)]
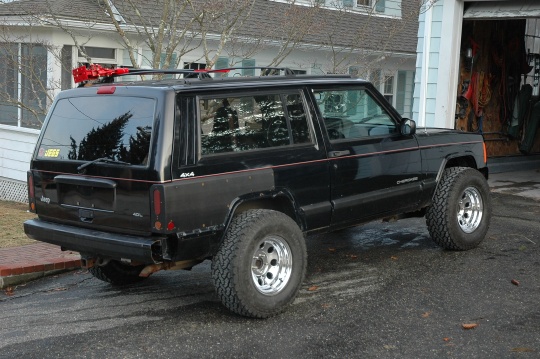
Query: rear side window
[(87, 128), (243, 123)]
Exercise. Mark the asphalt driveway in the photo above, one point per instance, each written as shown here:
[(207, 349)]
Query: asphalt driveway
[(383, 290)]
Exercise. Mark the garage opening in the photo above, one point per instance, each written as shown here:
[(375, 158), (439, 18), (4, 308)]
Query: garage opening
[(498, 89)]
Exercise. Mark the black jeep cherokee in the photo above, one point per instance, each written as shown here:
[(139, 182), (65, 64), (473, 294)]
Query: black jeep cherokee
[(151, 175)]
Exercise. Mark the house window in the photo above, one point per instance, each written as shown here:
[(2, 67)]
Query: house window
[(99, 52), (23, 98), (193, 66), (378, 5), (105, 57)]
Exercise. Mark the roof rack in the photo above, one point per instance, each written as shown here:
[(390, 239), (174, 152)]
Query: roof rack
[(265, 70), (104, 75)]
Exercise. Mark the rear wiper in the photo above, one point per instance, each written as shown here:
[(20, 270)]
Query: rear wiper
[(101, 159)]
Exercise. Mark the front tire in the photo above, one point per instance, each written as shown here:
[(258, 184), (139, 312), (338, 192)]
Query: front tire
[(261, 263), (460, 214)]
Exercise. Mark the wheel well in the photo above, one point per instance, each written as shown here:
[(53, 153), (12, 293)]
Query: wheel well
[(280, 204), (466, 161)]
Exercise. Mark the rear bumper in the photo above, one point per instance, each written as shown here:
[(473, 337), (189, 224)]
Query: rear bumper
[(98, 243)]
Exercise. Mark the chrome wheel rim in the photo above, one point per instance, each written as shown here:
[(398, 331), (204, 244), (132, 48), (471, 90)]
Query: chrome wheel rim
[(470, 210), (271, 266)]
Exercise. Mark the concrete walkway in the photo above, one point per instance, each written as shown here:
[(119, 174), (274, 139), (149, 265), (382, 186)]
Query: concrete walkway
[(21, 264), (519, 183)]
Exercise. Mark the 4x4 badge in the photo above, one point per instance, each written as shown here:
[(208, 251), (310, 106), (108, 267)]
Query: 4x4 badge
[(187, 174)]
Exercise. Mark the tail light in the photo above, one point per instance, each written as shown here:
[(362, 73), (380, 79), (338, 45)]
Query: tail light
[(31, 192), (160, 222), (157, 208)]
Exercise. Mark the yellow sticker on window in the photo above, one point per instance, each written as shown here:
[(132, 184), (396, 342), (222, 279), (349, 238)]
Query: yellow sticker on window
[(52, 152)]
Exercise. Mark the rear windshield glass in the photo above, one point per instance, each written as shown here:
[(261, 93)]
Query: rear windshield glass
[(87, 128)]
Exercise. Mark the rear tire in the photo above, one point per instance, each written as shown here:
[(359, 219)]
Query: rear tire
[(261, 263), (117, 273), (460, 214)]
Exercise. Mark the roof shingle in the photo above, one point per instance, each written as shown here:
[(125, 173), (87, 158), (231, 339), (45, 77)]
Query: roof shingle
[(269, 19)]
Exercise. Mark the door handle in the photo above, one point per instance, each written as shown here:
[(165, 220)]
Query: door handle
[(339, 153)]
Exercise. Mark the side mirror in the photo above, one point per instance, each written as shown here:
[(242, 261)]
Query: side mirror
[(408, 127)]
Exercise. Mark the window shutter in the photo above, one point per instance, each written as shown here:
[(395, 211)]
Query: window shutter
[(380, 6), (400, 93), (126, 61), (316, 69), (221, 63), (146, 59), (67, 64), (172, 63), (248, 63), (354, 71)]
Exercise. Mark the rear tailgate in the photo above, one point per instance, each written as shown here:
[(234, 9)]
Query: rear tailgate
[(92, 166), (105, 203)]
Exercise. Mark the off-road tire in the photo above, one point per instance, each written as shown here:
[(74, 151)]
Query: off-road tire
[(460, 214), (117, 273), (259, 247)]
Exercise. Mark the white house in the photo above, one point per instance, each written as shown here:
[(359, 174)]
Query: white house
[(371, 38), (478, 69)]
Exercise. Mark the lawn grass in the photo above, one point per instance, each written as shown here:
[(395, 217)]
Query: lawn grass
[(12, 216)]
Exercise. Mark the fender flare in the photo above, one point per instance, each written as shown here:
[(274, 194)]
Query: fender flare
[(273, 199)]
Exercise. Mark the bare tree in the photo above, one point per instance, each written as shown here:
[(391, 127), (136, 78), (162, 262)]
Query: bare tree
[(371, 43), (177, 28), (168, 28), (291, 27), (343, 36)]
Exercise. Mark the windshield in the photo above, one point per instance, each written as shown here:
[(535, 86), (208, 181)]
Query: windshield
[(88, 128)]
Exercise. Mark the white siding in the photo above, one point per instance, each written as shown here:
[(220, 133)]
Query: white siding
[(436, 82), (429, 34), (16, 148)]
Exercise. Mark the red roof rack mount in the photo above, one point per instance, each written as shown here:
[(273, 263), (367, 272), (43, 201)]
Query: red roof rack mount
[(98, 72), (94, 72)]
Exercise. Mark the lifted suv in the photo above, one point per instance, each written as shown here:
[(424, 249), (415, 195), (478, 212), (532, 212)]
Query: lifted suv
[(151, 175)]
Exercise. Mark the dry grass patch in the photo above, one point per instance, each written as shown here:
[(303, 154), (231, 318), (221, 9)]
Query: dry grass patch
[(12, 216)]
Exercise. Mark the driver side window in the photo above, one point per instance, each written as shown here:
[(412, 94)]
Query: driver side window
[(353, 113)]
